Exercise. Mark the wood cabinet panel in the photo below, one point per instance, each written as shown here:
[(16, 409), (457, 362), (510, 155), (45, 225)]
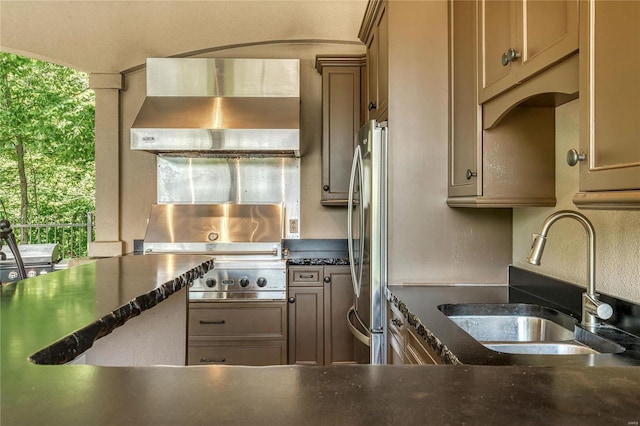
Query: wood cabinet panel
[(306, 325), (417, 353), (395, 354), (396, 327), (465, 138), (318, 332), (341, 101), (338, 298), (497, 34), (511, 164), (609, 105), (241, 352), (383, 67), (550, 33), (539, 34), (374, 33), (305, 276), (227, 319), (237, 333)]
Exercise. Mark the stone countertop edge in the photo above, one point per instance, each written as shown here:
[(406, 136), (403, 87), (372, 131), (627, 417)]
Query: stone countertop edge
[(318, 261), (74, 344), (454, 346), (430, 339)]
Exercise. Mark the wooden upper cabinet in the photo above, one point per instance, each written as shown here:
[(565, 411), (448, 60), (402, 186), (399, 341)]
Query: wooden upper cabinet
[(609, 105), (509, 165), (518, 39), (374, 33), (340, 122), (465, 138), (497, 34)]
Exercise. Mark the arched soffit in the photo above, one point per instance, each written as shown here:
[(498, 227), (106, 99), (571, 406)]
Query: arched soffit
[(231, 47), (112, 36)]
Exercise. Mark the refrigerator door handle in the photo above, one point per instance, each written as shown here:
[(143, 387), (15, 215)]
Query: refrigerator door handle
[(354, 330), (352, 181)]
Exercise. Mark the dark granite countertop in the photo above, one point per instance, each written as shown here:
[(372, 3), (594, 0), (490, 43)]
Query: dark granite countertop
[(419, 305), (59, 315), (318, 261), (40, 311), (317, 252)]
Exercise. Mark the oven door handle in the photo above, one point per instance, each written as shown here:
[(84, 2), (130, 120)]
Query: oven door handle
[(273, 252)]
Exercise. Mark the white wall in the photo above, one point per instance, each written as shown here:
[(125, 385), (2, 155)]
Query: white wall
[(617, 232)]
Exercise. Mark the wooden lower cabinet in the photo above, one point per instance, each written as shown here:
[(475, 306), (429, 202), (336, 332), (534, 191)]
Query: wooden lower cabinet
[(237, 333), (395, 351), (404, 344), (396, 331), (306, 325), (417, 352), (238, 352), (319, 299)]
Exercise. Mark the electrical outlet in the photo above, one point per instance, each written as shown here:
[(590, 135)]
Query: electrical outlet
[(293, 226)]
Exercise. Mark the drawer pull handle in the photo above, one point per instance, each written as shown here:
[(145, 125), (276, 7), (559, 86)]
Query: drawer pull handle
[(203, 359), (305, 275), (396, 322), (212, 322)]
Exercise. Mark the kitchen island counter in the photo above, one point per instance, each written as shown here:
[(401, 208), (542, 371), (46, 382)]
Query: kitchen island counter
[(35, 315)]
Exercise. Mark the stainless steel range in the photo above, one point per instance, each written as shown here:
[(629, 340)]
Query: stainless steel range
[(244, 239)]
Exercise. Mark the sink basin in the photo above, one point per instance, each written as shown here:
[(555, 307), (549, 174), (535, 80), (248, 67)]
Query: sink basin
[(511, 322), (539, 348), (526, 329), (507, 328)]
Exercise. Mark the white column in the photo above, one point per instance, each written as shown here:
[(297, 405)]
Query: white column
[(107, 147)]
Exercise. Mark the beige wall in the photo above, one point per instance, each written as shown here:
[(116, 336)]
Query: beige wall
[(428, 241), (138, 169), (104, 36), (617, 232)]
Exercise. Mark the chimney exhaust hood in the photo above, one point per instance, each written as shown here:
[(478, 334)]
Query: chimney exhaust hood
[(220, 108)]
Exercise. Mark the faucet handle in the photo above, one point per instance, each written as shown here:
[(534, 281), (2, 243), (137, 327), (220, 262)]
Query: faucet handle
[(604, 311), (595, 308)]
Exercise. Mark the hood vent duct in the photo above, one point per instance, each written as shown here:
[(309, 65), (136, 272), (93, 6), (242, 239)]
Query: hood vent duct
[(220, 108)]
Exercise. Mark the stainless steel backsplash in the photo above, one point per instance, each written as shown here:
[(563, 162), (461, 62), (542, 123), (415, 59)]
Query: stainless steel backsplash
[(233, 180)]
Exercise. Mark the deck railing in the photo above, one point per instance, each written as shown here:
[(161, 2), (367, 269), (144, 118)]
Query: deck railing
[(73, 235)]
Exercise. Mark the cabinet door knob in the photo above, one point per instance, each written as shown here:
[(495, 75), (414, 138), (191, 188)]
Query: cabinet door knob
[(372, 106), (325, 187), (471, 174), (573, 156), (510, 56), (292, 300), (327, 279)]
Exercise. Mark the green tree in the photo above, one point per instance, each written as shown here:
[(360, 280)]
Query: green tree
[(46, 138)]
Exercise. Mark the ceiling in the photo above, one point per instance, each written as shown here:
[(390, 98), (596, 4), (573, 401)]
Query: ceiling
[(114, 36)]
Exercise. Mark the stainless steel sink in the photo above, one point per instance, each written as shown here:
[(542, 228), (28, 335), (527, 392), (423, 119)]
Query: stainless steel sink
[(511, 328), (526, 329), (540, 348)]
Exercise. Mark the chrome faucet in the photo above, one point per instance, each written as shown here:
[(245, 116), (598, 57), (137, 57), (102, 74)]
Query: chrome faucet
[(592, 307)]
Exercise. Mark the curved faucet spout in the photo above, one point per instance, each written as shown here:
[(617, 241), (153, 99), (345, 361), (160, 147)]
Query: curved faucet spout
[(592, 307)]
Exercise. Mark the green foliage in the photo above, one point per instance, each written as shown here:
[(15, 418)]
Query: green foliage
[(48, 110)]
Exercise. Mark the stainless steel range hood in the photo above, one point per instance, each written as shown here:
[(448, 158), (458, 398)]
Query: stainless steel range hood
[(220, 107)]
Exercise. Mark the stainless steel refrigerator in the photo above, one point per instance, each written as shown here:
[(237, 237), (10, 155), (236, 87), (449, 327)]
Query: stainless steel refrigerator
[(367, 229)]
